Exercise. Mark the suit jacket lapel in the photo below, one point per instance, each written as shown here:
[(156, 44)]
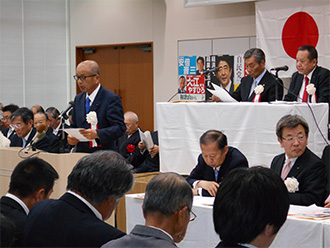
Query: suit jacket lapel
[(247, 91)]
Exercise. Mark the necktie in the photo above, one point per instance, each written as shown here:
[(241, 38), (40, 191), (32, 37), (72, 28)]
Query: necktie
[(253, 86), (216, 173), (305, 96), (24, 142), (286, 169), (88, 102)]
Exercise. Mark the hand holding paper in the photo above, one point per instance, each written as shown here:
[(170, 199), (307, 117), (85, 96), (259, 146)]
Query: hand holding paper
[(221, 93)]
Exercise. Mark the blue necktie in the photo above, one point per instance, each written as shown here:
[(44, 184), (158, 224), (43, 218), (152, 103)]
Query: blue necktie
[(216, 173), (24, 142), (88, 102)]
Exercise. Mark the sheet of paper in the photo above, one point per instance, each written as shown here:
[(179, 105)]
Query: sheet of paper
[(146, 138), (75, 133), (221, 93)]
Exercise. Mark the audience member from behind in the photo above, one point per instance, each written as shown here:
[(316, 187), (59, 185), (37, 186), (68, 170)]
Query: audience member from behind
[(7, 111), (22, 121), (127, 144), (7, 232), (31, 181), (301, 166), (214, 163), (167, 210), (95, 185), (250, 207)]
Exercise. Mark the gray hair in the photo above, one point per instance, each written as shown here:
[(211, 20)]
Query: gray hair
[(257, 53), (132, 116), (167, 193), (290, 121), (101, 175)]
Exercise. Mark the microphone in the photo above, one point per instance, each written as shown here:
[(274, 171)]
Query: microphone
[(280, 68), (63, 114), (40, 134), (215, 69)]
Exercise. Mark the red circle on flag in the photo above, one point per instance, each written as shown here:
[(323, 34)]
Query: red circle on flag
[(300, 29)]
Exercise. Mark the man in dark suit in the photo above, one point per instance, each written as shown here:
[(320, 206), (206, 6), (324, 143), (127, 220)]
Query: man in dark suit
[(150, 157), (250, 207), (40, 118), (182, 85), (215, 162), (22, 121), (299, 162), (167, 208), (200, 65), (306, 63), (95, 186), (255, 62), (7, 111), (107, 106), (31, 181), (127, 144)]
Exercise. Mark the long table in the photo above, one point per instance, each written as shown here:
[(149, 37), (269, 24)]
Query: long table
[(200, 232), (250, 127)]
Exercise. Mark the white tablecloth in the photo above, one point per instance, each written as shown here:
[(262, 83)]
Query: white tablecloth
[(200, 233), (250, 127)]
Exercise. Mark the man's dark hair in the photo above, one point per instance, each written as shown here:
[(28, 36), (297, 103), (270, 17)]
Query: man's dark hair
[(182, 77), (257, 53), (101, 175), (167, 193), (53, 111), (290, 121), (11, 108), (200, 58), (30, 175), (211, 136), (248, 200), (25, 113), (312, 52), (228, 59)]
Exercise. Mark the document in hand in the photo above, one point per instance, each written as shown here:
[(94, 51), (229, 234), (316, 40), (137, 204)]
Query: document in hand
[(221, 93), (146, 138)]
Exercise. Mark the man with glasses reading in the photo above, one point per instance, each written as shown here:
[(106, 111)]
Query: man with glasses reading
[(105, 104), (167, 209), (299, 163)]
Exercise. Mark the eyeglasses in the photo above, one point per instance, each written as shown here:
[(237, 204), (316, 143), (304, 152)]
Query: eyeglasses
[(291, 139), (18, 125), (83, 78), (192, 216)]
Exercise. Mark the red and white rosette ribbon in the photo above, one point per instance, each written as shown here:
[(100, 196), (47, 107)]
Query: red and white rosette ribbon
[(311, 91), (258, 90), (91, 118)]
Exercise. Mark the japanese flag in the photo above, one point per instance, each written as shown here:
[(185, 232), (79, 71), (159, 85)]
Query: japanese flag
[(283, 26)]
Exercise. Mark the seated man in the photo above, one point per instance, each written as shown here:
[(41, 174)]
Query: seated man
[(22, 121), (7, 111), (149, 157), (31, 181), (216, 160), (299, 162), (127, 144), (250, 207), (41, 118), (167, 209), (95, 186)]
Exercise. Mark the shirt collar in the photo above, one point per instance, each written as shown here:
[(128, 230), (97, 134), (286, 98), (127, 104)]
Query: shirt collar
[(97, 213), (19, 201), (293, 160), (93, 95), (227, 87), (162, 231), (310, 74), (27, 136), (258, 79)]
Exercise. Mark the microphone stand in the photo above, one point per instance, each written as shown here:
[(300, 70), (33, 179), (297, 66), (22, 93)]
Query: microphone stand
[(62, 142)]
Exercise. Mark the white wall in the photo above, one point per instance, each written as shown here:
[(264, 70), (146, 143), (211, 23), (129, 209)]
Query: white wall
[(163, 22)]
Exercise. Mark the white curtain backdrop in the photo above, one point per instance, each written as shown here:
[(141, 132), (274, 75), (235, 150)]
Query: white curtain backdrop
[(33, 53)]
